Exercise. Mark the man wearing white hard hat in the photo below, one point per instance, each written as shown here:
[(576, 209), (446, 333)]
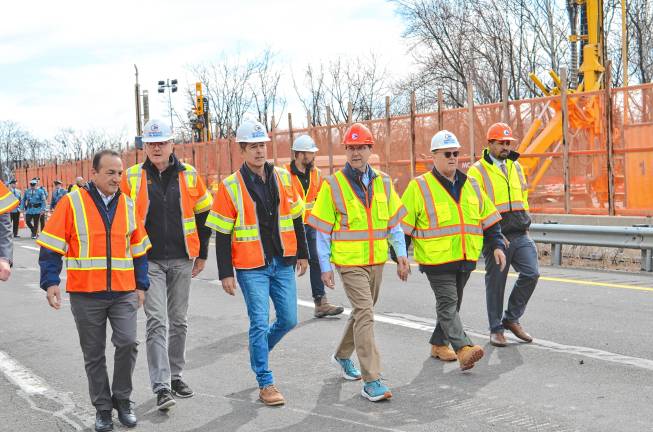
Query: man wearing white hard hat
[(171, 198), (307, 179), (257, 216), (449, 218)]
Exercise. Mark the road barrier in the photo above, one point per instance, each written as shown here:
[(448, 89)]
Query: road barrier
[(635, 237)]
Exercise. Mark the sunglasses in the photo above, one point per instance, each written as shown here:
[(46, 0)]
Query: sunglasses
[(448, 154)]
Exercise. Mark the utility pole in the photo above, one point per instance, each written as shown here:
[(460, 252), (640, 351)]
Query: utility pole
[(137, 93), (171, 85)]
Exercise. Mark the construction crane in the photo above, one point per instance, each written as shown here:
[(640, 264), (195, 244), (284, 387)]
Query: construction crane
[(584, 113), (199, 116)]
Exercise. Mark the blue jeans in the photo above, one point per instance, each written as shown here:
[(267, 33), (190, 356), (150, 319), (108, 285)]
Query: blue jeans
[(522, 255), (275, 281), (317, 286)]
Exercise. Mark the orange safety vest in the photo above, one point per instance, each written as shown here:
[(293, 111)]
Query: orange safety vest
[(96, 259), (314, 183), (234, 213), (8, 200), (194, 198)]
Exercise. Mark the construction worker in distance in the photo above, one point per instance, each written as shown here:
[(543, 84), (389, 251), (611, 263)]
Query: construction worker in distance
[(171, 198), (307, 179), (57, 194), (257, 216), (97, 232), (34, 201), (502, 178), (8, 204), (43, 214), (448, 219), (15, 212), (356, 213)]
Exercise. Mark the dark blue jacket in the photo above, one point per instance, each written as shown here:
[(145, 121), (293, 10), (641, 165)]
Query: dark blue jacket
[(52, 262)]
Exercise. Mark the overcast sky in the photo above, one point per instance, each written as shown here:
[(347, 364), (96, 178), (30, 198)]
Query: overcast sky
[(70, 63)]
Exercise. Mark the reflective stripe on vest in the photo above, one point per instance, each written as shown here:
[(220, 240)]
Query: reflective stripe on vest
[(99, 263), (81, 223)]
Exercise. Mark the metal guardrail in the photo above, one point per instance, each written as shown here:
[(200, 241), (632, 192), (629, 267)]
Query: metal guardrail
[(636, 237)]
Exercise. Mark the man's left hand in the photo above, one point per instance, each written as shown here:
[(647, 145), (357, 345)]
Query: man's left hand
[(500, 258), (141, 297), (198, 266), (403, 268), (5, 270), (302, 265)]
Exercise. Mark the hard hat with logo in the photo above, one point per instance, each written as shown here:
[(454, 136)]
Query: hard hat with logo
[(251, 131), (358, 134), (500, 132), (444, 140), (157, 131), (304, 143)]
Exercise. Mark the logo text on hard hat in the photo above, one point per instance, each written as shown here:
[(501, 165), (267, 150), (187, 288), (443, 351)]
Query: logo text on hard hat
[(258, 133)]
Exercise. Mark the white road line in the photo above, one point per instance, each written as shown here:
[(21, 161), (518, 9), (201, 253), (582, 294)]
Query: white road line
[(427, 325), (31, 248), (21, 376)]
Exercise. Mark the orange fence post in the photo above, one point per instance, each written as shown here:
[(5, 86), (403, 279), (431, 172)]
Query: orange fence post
[(387, 134), (608, 133), (329, 139), (412, 135), (565, 139), (470, 115)]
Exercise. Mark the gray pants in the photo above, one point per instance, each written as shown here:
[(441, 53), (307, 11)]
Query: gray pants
[(522, 255), (166, 307), (448, 290), (91, 315)]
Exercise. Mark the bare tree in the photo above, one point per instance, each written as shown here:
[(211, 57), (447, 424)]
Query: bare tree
[(264, 86)]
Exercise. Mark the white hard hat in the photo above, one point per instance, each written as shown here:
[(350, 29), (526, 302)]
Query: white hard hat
[(304, 143), (157, 131), (443, 140), (251, 131)]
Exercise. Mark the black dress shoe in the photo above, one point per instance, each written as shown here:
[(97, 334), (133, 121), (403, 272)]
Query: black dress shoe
[(164, 400), (181, 389), (103, 421), (126, 413)]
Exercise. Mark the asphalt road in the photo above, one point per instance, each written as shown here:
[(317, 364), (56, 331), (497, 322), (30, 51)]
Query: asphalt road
[(589, 369)]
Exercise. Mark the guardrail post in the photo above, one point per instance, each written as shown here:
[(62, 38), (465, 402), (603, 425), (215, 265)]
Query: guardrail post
[(556, 254), (647, 260)]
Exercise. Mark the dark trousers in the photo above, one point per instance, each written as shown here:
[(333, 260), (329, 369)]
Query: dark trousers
[(32, 222), (91, 314), (15, 220), (42, 219), (317, 286), (448, 290)]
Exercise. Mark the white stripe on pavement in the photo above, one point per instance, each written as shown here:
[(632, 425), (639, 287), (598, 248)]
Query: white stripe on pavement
[(31, 248), (427, 325), (21, 376)]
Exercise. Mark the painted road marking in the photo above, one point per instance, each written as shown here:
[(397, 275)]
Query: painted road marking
[(427, 325), (31, 248)]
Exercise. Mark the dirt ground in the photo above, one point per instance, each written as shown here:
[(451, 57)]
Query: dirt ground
[(594, 257)]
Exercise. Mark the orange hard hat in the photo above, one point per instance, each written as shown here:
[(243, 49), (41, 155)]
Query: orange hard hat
[(358, 134), (500, 132)]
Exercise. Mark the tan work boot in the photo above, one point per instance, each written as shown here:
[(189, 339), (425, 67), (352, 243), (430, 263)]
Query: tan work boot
[(270, 396), (324, 308), (443, 352), (468, 355)]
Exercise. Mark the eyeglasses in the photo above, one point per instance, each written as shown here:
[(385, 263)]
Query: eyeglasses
[(503, 143), (448, 154), (157, 144)]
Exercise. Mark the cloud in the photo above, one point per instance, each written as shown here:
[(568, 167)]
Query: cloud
[(71, 63)]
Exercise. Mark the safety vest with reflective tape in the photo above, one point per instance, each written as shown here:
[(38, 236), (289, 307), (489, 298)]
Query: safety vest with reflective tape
[(194, 198), (96, 259), (234, 213), (359, 232), (8, 200), (442, 229), (315, 181), (507, 194)]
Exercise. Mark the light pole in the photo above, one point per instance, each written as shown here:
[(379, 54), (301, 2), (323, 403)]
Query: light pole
[(171, 85)]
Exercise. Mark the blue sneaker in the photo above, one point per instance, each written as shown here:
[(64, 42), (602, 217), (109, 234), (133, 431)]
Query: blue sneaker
[(376, 391), (346, 366)]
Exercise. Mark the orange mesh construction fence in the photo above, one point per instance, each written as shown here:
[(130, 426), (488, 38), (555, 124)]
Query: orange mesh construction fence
[(625, 117)]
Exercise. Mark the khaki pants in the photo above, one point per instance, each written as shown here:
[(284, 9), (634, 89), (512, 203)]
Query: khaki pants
[(362, 286)]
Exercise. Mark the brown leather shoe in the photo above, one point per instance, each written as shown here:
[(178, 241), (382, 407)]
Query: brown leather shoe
[(270, 396), (443, 352), (468, 355), (517, 330), (498, 339), (324, 308)]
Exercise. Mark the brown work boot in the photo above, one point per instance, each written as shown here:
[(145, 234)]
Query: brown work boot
[(498, 339), (443, 352), (468, 355), (324, 308), (517, 330), (270, 396)]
